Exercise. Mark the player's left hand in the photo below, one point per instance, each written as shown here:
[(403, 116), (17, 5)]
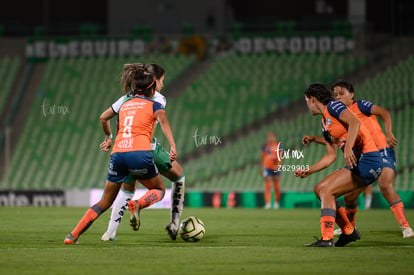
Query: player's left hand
[(350, 158), (302, 173), (391, 140), (106, 144)]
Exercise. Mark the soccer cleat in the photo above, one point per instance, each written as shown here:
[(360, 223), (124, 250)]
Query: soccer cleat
[(134, 221), (172, 231), (267, 206), (337, 232), (346, 239), (276, 205), (69, 239), (322, 243), (108, 237), (407, 232)]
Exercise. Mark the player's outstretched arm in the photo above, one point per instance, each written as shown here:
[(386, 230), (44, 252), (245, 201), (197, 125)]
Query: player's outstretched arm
[(105, 118), (166, 129), (324, 162), (386, 118), (308, 139)]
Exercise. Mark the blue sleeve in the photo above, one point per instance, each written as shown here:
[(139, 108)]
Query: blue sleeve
[(157, 106), (336, 108), (365, 107)]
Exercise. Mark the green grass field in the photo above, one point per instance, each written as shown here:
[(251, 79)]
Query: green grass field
[(236, 241)]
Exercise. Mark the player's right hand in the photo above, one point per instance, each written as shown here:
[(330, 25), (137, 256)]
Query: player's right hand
[(391, 140), (302, 173), (350, 158), (106, 144), (173, 154), (307, 139)]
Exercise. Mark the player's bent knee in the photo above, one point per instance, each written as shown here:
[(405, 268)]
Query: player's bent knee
[(176, 169), (323, 189), (128, 186), (317, 190)]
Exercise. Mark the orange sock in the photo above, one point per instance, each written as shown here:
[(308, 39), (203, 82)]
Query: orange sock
[(351, 213), (268, 192), (277, 190), (86, 221), (397, 208), (150, 197), (327, 223), (342, 220)]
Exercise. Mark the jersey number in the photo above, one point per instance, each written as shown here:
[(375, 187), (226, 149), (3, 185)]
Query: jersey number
[(128, 126)]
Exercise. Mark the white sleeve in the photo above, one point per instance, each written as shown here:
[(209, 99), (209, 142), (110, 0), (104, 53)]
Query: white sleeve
[(117, 105), (158, 97)]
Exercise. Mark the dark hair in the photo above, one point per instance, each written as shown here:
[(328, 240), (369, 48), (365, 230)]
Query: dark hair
[(156, 70), (320, 92), (343, 84), (136, 79)]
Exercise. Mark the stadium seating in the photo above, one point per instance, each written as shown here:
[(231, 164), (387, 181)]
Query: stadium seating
[(391, 89), (60, 150), (237, 90), (404, 131), (9, 66), (404, 181), (59, 146), (238, 162)]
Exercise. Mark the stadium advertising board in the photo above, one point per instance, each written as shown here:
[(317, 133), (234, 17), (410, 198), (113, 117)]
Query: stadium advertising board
[(307, 44), (83, 47), (40, 49), (32, 198)]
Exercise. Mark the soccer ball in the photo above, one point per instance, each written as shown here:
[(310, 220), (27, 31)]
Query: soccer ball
[(192, 229)]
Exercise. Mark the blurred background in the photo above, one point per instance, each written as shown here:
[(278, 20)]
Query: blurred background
[(235, 70)]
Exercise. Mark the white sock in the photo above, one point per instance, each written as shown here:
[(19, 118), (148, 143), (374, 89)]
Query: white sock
[(177, 200), (119, 207), (368, 201)]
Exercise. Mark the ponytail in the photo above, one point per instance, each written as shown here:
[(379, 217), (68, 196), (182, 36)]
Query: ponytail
[(135, 78)]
